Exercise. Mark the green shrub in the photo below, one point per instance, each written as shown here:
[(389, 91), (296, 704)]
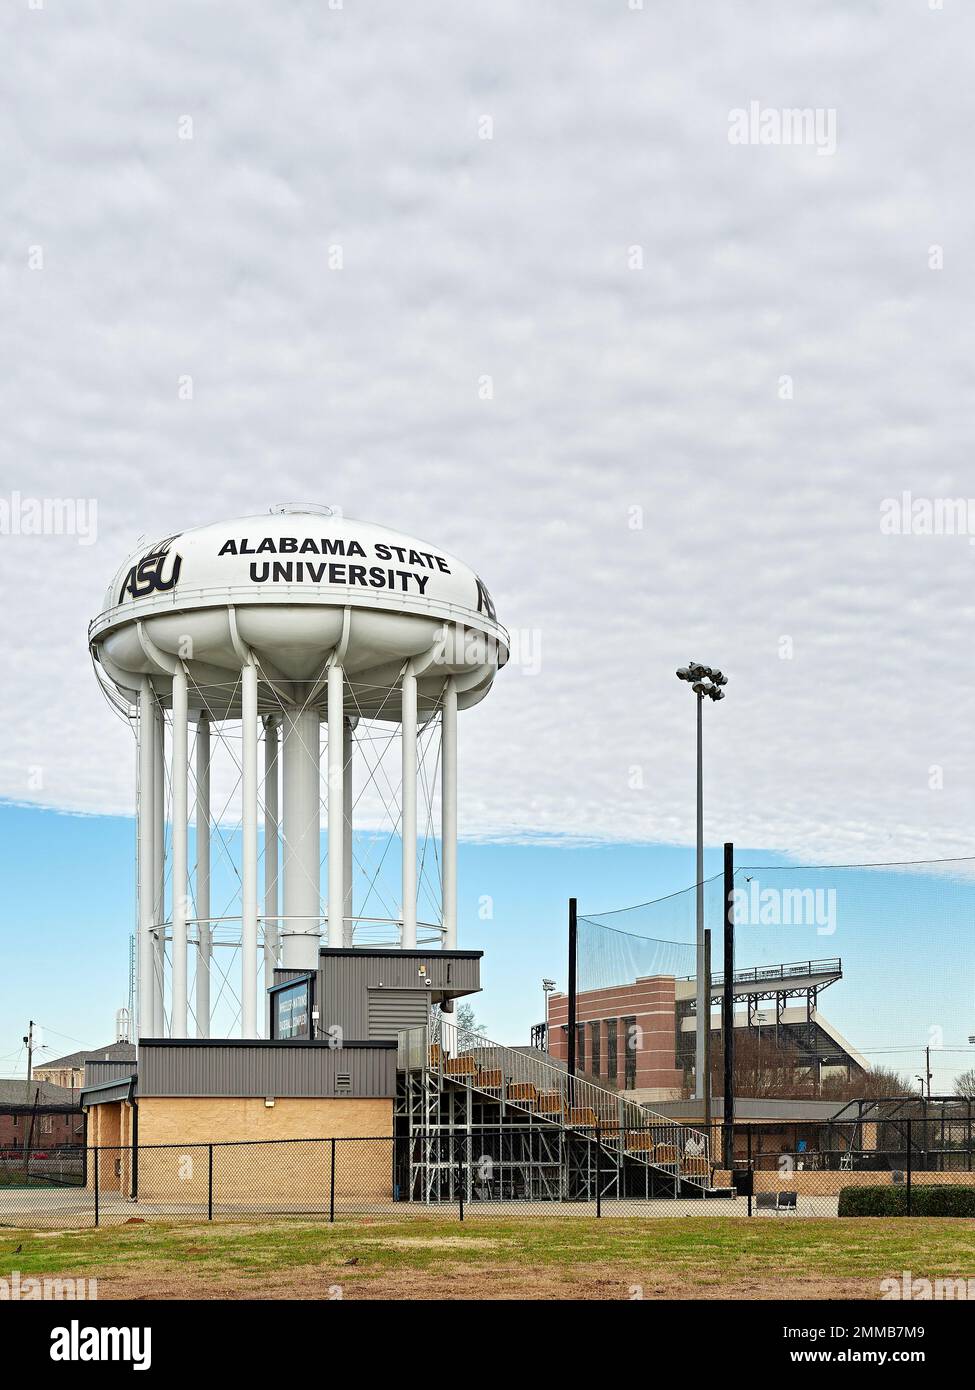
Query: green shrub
[(892, 1201)]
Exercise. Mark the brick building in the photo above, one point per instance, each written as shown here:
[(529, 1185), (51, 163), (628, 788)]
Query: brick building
[(40, 1116), (625, 1035)]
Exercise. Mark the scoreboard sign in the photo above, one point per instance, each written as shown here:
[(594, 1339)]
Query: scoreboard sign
[(291, 1011)]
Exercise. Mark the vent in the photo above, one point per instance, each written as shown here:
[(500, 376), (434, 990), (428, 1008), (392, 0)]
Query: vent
[(343, 1081)]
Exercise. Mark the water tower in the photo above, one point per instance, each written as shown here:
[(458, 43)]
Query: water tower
[(261, 634)]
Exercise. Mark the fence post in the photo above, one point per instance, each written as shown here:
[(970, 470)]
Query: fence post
[(96, 1185), (908, 1173), (599, 1173), (460, 1172), (751, 1167), (209, 1182), (331, 1182)]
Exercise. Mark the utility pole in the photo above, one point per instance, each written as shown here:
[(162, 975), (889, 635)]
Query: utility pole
[(29, 1044)]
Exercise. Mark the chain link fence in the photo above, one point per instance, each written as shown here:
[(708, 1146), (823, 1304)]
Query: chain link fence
[(884, 1163), (878, 1165)]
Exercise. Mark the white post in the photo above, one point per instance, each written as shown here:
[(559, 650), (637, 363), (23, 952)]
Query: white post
[(336, 806), (448, 814), (270, 848), (347, 868), (408, 936), (147, 877), (158, 870), (205, 939), (248, 856), (180, 887), (301, 840)]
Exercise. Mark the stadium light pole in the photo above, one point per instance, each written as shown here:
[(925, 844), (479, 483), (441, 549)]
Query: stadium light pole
[(547, 987), (703, 681)]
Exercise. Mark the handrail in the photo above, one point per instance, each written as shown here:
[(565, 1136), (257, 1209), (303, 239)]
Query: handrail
[(574, 1101), (827, 965)]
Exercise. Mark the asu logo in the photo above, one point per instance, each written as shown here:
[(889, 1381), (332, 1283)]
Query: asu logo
[(485, 603), (146, 575)]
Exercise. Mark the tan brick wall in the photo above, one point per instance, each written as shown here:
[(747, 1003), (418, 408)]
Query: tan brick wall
[(110, 1131), (828, 1184), (249, 1172), (227, 1119)]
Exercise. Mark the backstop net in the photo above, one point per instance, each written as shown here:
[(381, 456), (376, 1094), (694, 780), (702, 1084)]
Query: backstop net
[(849, 980)]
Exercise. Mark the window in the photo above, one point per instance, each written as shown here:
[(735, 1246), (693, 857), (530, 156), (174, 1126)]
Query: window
[(611, 1060), (47, 1124), (630, 1036), (594, 1044)]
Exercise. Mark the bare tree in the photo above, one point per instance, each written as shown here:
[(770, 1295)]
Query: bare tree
[(965, 1085)]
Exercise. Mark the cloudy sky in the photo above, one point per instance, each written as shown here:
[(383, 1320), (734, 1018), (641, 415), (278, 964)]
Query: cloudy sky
[(497, 275)]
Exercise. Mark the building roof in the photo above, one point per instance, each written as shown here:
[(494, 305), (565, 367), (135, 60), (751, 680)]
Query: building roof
[(114, 1052), (18, 1091)]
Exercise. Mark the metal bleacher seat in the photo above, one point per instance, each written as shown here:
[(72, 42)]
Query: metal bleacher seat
[(523, 1093), (550, 1103), (638, 1142), (491, 1079), (666, 1156), (461, 1067), (695, 1166), (436, 1056), (583, 1117)]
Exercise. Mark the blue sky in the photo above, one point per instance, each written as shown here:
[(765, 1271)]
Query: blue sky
[(906, 939)]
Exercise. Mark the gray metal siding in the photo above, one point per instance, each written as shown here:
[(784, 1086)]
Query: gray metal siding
[(298, 1070), (344, 982), (393, 1010), (98, 1071)]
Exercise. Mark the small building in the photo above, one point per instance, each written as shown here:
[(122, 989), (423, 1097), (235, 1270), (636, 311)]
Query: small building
[(327, 1070)]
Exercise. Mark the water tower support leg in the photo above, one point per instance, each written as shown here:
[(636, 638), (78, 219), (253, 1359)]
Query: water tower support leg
[(300, 839), (347, 807), (270, 847), (179, 752), (147, 892), (336, 805), (448, 813), (408, 938), (248, 858), (204, 947), (158, 870)]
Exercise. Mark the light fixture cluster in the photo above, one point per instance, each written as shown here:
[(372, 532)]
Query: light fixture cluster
[(703, 680)]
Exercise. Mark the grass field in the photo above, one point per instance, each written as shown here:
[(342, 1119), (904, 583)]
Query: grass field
[(696, 1257)]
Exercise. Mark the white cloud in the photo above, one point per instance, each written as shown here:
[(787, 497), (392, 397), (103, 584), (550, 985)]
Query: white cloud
[(165, 257)]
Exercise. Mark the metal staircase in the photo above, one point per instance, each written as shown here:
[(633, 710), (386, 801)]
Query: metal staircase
[(511, 1125)]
